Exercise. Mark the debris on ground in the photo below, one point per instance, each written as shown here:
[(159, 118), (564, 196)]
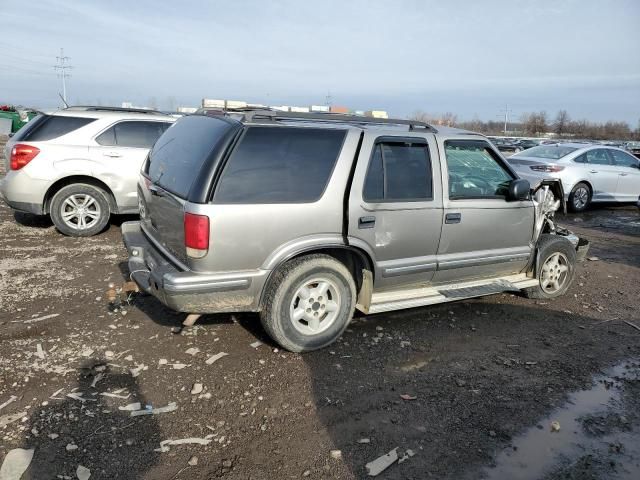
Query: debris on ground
[(593, 259), (165, 444), (406, 455), (179, 366), (555, 426), (193, 461), (196, 389), (16, 463), (631, 324), (154, 411), (215, 358), (40, 319), (364, 440), (256, 344), (336, 454), (83, 473), (192, 351), (39, 351), (380, 464), (131, 407), (406, 396), (12, 399)]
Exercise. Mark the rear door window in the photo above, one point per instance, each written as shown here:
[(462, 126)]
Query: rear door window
[(599, 156), (53, 127), (399, 172), (280, 165), (136, 134)]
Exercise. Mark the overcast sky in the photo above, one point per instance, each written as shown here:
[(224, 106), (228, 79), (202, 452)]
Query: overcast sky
[(468, 57)]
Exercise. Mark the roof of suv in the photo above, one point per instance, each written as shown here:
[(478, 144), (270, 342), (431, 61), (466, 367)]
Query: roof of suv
[(108, 112)]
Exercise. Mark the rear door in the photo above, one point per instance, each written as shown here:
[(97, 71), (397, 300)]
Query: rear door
[(395, 206), (483, 234), (628, 166), (118, 154), (603, 175), (179, 159)]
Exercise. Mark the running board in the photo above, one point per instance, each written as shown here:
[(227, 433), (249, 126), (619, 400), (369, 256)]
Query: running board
[(421, 296)]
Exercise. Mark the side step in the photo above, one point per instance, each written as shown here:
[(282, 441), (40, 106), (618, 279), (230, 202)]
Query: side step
[(417, 297)]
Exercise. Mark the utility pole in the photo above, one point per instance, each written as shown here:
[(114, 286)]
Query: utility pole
[(506, 112), (61, 67), (328, 99)]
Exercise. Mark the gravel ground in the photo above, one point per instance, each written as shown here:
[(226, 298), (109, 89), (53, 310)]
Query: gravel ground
[(464, 390)]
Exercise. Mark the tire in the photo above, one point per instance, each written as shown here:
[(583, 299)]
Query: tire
[(303, 280), (550, 246), (580, 197), (80, 210)]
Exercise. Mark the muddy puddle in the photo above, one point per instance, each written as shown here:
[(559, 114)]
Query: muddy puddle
[(624, 221), (598, 435)]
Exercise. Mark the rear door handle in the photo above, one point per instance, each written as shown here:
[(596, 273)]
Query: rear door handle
[(366, 222), (624, 174), (593, 171), (113, 154), (453, 218)]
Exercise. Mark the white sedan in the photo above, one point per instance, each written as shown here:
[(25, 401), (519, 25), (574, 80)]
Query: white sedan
[(589, 173)]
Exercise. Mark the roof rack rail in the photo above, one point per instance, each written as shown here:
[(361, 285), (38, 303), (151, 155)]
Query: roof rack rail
[(98, 108), (272, 115)]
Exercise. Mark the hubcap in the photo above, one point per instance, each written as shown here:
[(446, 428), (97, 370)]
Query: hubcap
[(80, 211), (554, 273), (580, 197), (315, 306)]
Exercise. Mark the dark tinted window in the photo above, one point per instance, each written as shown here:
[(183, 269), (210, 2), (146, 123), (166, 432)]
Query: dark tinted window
[(53, 127), (138, 134), (475, 171), (178, 155), (623, 159), (280, 165), (29, 126), (399, 172)]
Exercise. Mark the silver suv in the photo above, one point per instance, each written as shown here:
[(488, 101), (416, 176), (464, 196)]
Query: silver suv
[(79, 165), (305, 218)]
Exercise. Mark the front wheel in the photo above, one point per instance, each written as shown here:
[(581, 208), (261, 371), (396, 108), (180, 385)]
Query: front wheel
[(80, 210), (556, 268), (308, 303)]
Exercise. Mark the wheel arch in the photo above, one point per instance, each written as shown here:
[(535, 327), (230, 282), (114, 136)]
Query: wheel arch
[(355, 259), (72, 179)]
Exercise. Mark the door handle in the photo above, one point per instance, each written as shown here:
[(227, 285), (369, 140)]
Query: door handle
[(113, 154), (453, 218), (366, 222), (624, 174), (593, 171)]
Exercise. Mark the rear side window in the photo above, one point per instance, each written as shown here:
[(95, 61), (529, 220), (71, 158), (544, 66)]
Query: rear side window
[(132, 134), (599, 156), (280, 165), (399, 172), (53, 127), (177, 157)]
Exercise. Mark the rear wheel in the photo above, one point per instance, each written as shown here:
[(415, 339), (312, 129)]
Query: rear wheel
[(80, 210), (309, 303), (556, 269), (580, 197)]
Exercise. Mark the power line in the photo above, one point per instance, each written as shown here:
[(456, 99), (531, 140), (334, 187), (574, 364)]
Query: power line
[(61, 67)]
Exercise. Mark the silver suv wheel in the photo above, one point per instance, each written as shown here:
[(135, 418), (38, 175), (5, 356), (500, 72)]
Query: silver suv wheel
[(80, 211), (315, 306), (555, 272)]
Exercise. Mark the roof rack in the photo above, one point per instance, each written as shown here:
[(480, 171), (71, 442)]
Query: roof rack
[(97, 108), (272, 115)]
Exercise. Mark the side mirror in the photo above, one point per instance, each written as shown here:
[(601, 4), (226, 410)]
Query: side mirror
[(519, 189)]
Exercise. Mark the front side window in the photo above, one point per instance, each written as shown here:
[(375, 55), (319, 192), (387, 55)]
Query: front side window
[(280, 165), (623, 159), (135, 134), (475, 171), (399, 172)]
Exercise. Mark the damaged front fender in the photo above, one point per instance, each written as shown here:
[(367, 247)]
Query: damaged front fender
[(548, 198)]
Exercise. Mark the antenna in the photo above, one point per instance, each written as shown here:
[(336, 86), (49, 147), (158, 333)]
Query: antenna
[(66, 105), (61, 67)]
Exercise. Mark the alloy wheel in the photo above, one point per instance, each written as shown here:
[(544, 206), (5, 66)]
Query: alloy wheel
[(555, 272), (315, 306), (80, 211)]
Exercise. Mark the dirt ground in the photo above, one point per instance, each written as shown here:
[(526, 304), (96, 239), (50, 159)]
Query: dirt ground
[(483, 380)]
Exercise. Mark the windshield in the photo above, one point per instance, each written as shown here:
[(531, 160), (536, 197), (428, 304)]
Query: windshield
[(552, 152)]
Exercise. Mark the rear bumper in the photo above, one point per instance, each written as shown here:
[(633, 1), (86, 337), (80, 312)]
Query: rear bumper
[(184, 290), (19, 196)]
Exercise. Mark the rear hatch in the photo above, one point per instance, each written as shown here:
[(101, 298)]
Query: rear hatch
[(179, 169)]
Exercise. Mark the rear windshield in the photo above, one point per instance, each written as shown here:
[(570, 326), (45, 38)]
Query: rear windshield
[(552, 152), (30, 125), (280, 165), (51, 126), (177, 157)]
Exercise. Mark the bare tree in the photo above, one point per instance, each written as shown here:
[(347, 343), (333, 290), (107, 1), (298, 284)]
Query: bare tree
[(534, 123), (561, 123)]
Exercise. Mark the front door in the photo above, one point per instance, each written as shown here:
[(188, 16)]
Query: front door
[(395, 207), (483, 234)]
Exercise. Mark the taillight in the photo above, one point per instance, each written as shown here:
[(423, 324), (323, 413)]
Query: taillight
[(547, 168), (21, 155), (196, 234)]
